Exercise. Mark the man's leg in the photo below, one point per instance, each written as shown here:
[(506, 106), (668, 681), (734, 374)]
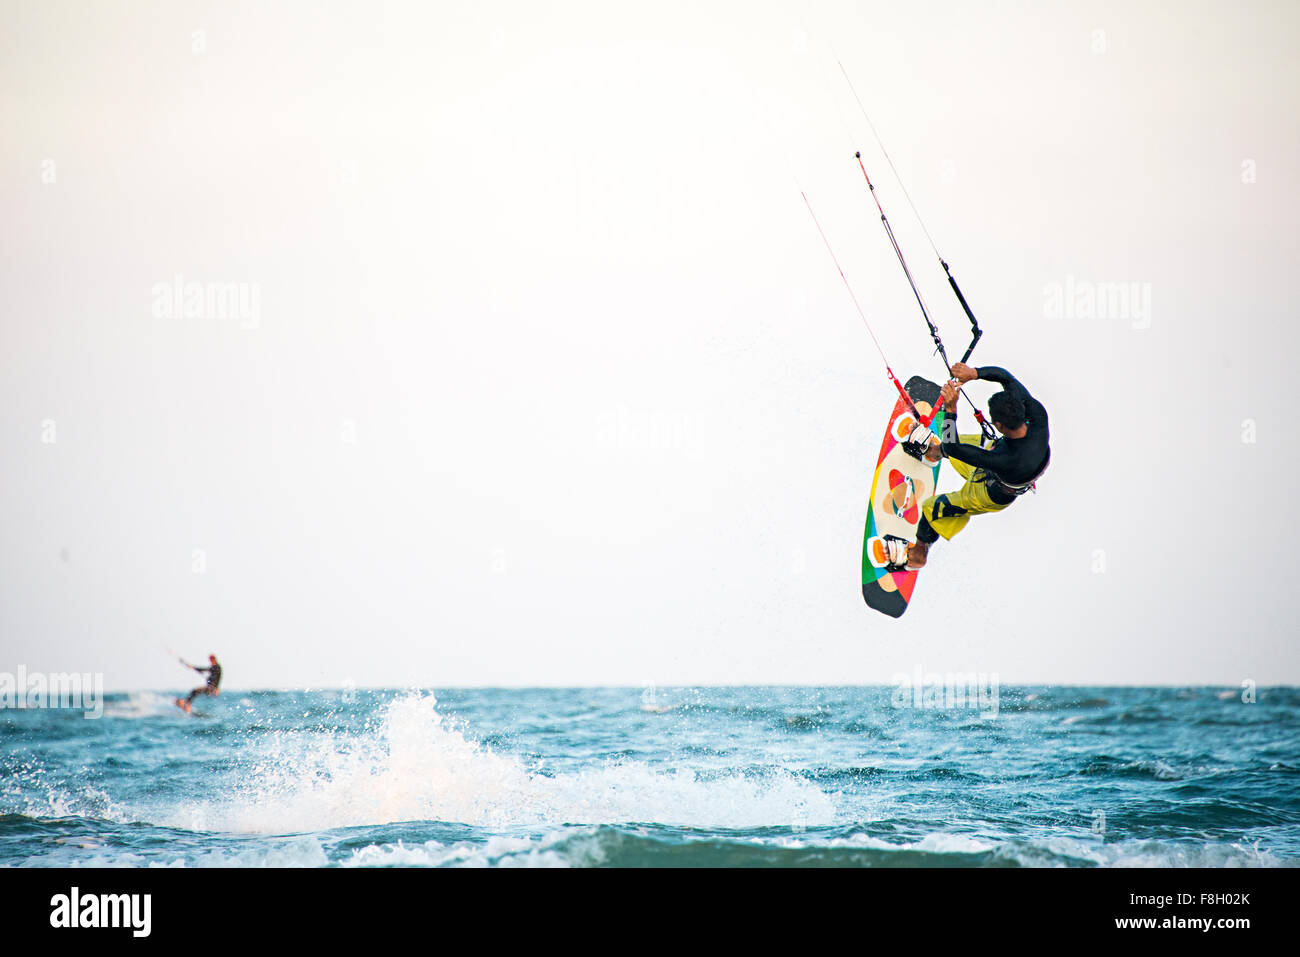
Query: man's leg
[(919, 551), (946, 515), (926, 534)]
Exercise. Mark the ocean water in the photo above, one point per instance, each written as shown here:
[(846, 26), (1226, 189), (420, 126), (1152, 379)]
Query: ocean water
[(1074, 777)]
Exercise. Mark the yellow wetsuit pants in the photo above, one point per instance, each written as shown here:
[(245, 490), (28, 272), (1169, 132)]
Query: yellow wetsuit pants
[(948, 513)]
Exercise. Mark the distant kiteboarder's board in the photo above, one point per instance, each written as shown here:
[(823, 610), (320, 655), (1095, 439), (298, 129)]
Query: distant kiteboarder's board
[(900, 485)]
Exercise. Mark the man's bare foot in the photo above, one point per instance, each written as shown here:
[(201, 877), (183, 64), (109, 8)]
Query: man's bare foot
[(916, 555)]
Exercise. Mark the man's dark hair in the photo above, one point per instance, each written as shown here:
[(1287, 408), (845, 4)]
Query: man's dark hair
[(1007, 410)]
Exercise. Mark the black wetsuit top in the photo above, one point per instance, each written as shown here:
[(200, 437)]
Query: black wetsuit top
[(214, 675), (1013, 461)]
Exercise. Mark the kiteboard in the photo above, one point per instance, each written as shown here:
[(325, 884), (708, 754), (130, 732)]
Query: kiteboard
[(901, 483)]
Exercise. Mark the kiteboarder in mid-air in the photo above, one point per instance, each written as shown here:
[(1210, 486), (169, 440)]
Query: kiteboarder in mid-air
[(995, 477), (213, 686)]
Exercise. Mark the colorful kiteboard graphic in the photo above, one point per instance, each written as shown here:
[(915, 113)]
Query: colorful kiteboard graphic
[(901, 483)]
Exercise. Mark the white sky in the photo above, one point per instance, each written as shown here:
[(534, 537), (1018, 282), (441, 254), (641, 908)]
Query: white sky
[(615, 414)]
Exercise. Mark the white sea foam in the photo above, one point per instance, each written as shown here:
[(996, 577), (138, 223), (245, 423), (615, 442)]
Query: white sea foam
[(938, 843), (495, 852), (28, 791), (1136, 853), (140, 704), (415, 767)]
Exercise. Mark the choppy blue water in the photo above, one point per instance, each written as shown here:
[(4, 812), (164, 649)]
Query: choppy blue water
[(737, 776)]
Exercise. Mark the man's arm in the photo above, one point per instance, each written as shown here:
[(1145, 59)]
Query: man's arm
[(972, 455), (1035, 414), (957, 449), (1005, 379), (964, 373)]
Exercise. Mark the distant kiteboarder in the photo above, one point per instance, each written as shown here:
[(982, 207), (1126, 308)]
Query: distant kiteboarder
[(213, 686)]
